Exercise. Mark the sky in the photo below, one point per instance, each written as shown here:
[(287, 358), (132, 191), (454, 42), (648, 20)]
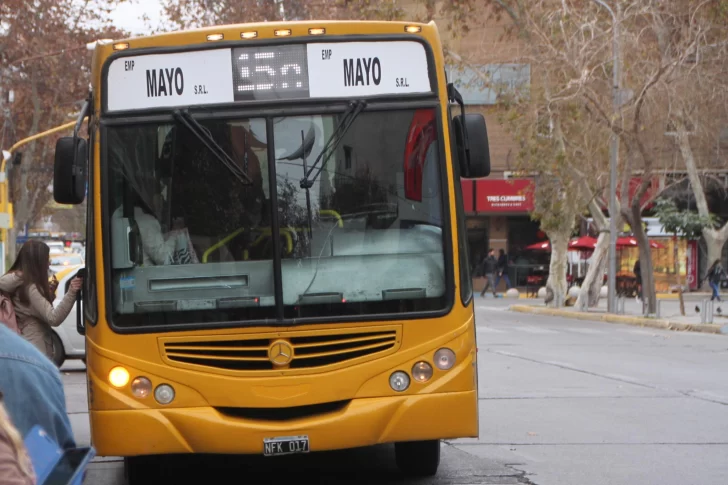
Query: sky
[(128, 15)]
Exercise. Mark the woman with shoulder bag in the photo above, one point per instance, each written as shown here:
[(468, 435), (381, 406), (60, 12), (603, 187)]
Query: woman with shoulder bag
[(32, 296)]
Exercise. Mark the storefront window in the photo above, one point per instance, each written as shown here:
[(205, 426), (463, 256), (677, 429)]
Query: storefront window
[(663, 262)]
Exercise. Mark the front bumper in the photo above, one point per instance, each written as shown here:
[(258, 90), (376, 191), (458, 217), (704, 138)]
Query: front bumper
[(362, 422)]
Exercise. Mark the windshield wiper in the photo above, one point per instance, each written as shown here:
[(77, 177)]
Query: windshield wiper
[(204, 135), (354, 109)]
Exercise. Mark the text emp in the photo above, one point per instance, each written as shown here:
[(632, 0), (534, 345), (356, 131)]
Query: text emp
[(165, 82), (363, 71)]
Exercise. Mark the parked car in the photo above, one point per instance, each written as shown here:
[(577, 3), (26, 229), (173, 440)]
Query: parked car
[(77, 247), (67, 342), (55, 246), (61, 261)]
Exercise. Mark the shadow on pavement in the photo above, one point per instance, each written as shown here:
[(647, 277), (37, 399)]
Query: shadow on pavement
[(368, 465), (357, 467), (363, 466)]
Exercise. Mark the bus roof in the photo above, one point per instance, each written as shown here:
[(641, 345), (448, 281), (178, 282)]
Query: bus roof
[(266, 30), (226, 34)]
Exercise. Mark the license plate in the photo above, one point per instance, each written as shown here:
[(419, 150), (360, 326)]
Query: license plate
[(285, 445)]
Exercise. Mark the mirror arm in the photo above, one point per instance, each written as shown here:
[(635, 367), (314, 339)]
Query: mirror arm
[(454, 95), (82, 115)]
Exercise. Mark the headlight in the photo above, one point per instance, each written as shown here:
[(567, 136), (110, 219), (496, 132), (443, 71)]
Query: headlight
[(422, 372), (399, 381), (141, 387), (164, 394), (119, 377), (444, 359)]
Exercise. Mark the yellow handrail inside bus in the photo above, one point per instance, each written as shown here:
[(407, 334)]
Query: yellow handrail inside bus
[(267, 232), (284, 232), (221, 243), (335, 214)]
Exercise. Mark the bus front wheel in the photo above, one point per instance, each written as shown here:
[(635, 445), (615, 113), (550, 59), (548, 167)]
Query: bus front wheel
[(418, 458)]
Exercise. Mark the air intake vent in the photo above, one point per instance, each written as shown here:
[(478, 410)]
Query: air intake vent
[(281, 351)]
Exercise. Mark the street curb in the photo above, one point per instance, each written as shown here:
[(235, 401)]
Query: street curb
[(660, 296), (624, 319)]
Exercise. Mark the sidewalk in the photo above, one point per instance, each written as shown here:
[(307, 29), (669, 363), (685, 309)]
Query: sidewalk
[(669, 313)]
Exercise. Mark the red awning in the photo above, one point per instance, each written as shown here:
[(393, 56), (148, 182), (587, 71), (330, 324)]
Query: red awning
[(584, 243), (631, 242), (541, 246)]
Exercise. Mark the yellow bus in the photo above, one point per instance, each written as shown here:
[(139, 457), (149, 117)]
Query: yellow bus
[(276, 255)]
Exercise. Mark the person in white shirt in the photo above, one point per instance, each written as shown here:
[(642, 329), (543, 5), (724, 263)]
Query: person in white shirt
[(159, 248)]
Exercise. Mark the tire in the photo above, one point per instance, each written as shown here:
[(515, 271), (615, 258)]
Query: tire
[(418, 459), (142, 470), (59, 353)]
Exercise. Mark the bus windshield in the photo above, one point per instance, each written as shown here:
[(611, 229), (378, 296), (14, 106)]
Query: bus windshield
[(360, 233)]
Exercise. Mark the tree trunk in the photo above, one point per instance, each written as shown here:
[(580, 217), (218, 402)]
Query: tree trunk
[(556, 284), (715, 239), (592, 286), (22, 204), (648, 276), (594, 280)]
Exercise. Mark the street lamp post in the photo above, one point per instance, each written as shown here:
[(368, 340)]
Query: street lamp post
[(613, 154)]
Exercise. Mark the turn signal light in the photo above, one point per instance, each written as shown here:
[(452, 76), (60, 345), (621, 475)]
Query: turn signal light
[(119, 377), (120, 46), (412, 29)]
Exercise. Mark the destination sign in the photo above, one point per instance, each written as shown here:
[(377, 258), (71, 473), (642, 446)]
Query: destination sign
[(260, 73)]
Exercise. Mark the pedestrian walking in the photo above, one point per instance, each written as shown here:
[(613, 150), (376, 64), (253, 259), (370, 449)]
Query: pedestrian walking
[(502, 269), (637, 270), (715, 275), (489, 267), (32, 296)]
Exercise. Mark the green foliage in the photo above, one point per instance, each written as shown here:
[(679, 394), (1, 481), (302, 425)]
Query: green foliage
[(685, 223)]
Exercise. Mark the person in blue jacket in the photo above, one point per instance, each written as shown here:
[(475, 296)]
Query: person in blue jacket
[(32, 388)]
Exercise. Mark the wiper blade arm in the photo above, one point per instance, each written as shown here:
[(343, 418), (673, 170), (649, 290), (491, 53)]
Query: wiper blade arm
[(351, 113), (186, 119)]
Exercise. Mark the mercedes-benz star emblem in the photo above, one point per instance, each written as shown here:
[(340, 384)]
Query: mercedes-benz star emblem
[(280, 353)]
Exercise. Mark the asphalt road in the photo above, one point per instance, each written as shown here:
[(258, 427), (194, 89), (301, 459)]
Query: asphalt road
[(562, 402)]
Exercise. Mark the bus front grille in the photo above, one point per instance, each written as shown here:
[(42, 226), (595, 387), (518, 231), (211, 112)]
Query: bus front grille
[(281, 351)]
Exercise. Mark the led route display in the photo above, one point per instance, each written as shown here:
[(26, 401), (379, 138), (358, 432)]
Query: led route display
[(264, 73)]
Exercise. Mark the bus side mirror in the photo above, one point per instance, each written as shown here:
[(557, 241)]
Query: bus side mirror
[(471, 145), (69, 174)]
